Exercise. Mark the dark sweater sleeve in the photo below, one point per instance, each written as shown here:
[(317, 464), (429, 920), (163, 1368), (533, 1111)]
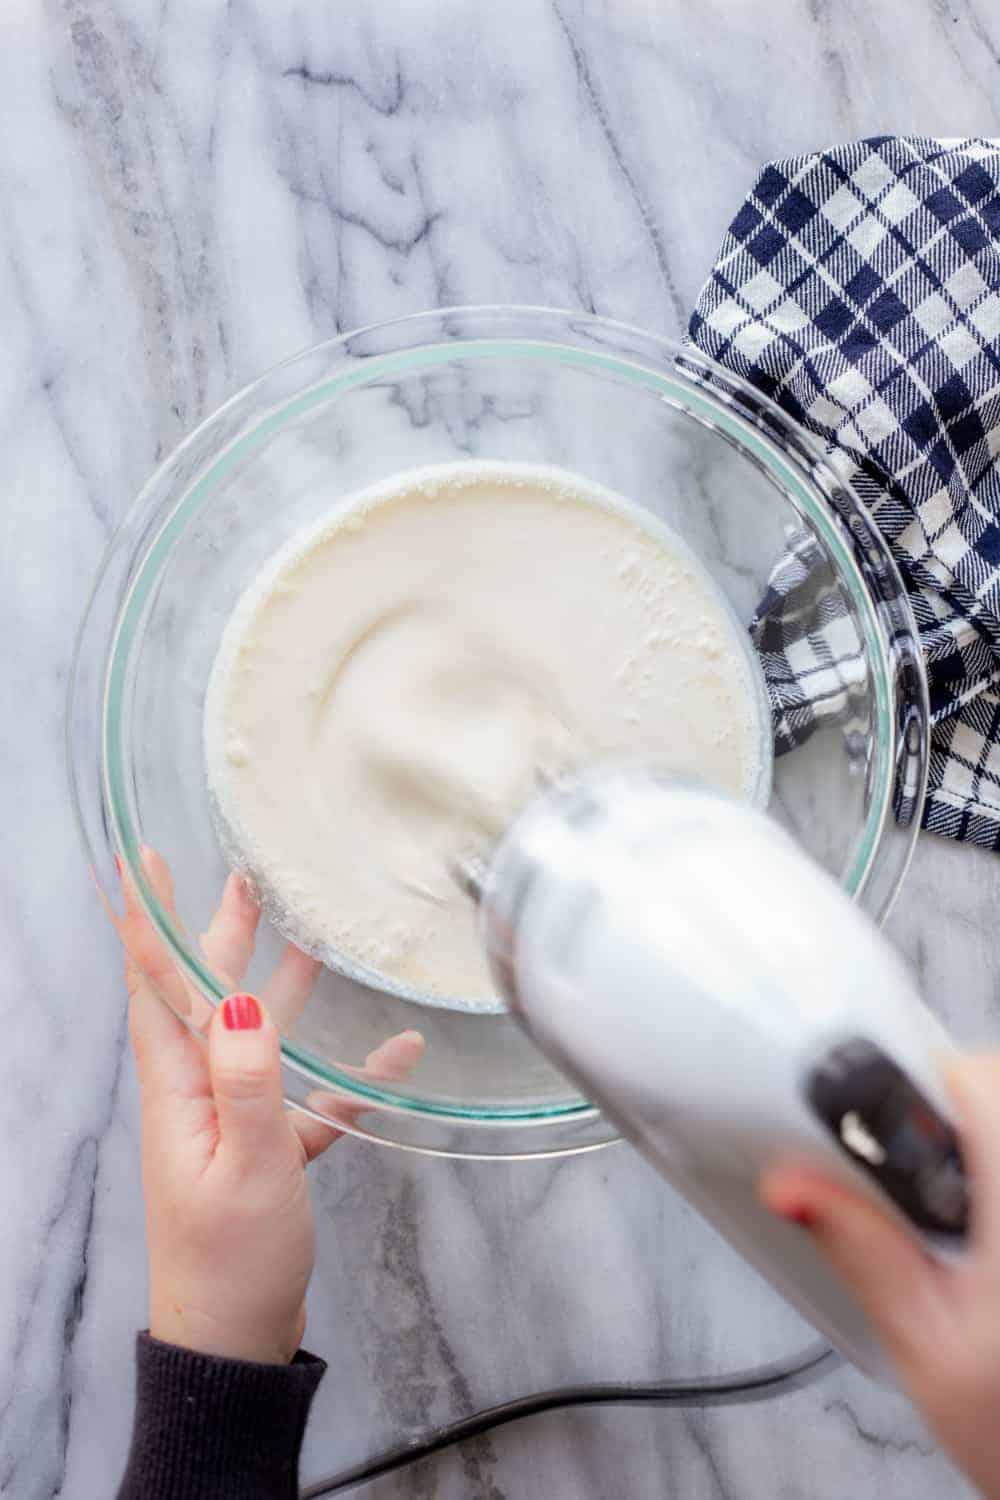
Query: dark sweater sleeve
[(211, 1429)]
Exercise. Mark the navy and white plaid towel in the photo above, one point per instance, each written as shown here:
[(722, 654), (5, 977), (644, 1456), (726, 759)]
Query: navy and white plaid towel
[(860, 288)]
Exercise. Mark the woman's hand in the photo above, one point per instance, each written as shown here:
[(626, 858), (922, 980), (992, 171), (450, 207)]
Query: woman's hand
[(939, 1324), (229, 1222)]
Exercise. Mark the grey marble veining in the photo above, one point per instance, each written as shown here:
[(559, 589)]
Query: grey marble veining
[(190, 191)]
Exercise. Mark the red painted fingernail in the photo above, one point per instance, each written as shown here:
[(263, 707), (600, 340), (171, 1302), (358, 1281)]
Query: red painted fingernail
[(241, 1013)]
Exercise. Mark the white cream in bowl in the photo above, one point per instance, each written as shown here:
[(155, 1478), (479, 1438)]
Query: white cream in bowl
[(398, 679)]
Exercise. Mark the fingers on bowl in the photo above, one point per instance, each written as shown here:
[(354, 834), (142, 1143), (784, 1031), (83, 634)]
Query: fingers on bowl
[(391, 1061)]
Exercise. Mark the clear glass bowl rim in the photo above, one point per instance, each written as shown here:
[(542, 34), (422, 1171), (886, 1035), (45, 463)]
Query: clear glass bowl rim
[(791, 456)]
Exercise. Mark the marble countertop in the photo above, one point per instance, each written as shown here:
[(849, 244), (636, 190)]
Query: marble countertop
[(191, 191)]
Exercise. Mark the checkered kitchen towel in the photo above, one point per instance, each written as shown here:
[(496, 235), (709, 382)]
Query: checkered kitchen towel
[(860, 288)]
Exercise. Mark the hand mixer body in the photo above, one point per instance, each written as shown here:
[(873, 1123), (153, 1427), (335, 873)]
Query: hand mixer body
[(722, 1000)]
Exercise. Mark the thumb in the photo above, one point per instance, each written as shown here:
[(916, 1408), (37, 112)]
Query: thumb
[(897, 1286), (245, 1064)]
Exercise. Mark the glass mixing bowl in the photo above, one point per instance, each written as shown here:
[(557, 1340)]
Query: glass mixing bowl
[(701, 450)]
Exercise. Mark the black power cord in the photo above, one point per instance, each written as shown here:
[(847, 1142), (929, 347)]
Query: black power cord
[(744, 1386)]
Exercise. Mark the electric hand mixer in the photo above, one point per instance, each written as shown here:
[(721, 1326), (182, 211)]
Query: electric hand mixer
[(725, 1004)]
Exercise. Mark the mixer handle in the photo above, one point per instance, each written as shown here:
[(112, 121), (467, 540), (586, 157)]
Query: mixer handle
[(891, 1130)]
